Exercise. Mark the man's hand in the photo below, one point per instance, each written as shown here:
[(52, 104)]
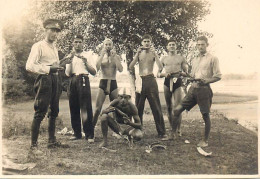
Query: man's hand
[(204, 82), (167, 75), (103, 51), (67, 59), (193, 80), (108, 110), (85, 60), (113, 52), (139, 50), (126, 119), (152, 49), (71, 55), (184, 74)]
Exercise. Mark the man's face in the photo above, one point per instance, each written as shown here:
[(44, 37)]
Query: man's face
[(108, 45), (146, 43), (171, 47), (51, 34), (78, 44), (124, 99), (202, 46)]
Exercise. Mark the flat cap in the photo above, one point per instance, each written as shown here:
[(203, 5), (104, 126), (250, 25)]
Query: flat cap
[(53, 24)]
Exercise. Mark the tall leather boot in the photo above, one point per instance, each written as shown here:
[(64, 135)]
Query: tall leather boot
[(35, 131), (53, 143), (51, 129)]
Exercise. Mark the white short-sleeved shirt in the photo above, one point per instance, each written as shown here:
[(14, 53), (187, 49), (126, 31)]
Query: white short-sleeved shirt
[(77, 65)]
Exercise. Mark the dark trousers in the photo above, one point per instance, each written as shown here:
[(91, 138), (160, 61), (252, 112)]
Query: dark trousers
[(48, 91), (80, 105), (150, 91)]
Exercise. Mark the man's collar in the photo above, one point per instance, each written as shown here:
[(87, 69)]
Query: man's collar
[(199, 55)]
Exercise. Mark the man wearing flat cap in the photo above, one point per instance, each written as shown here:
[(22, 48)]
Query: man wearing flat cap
[(44, 61)]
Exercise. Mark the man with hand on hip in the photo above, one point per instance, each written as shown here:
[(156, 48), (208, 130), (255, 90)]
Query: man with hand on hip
[(44, 61)]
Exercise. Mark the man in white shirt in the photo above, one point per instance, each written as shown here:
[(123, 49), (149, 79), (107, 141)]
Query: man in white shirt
[(205, 70), (44, 61), (78, 67)]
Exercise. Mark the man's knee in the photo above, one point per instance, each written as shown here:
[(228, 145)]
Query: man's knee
[(98, 109), (103, 118), (39, 116), (137, 134), (178, 110), (205, 116), (53, 114)]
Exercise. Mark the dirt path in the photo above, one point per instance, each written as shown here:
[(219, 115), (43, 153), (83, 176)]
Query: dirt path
[(234, 148)]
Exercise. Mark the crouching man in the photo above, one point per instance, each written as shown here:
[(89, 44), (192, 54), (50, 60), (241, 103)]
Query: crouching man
[(118, 116)]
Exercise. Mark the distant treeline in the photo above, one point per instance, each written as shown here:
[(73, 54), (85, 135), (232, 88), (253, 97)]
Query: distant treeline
[(232, 76)]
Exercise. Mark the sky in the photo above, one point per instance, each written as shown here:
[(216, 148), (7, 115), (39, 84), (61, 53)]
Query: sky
[(235, 25)]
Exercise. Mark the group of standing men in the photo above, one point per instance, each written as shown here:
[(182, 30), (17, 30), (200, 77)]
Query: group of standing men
[(44, 61)]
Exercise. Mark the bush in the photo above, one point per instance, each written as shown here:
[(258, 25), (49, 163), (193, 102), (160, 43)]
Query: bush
[(14, 125), (14, 89)]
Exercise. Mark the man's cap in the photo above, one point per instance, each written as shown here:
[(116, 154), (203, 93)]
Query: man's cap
[(53, 24), (125, 91)]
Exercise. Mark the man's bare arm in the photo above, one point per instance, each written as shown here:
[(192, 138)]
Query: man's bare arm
[(111, 105), (210, 80), (137, 122), (100, 58), (118, 63), (156, 58), (89, 68), (184, 65), (67, 59), (160, 74), (135, 59)]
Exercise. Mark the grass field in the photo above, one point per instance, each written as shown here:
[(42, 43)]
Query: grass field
[(234, 147)]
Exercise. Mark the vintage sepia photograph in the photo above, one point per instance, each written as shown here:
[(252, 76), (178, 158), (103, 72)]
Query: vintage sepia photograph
[(138, 89)]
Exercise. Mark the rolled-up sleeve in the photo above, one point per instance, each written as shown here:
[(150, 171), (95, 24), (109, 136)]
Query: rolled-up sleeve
[(91, 60), (215, 68), (33, 63), (68, 69)]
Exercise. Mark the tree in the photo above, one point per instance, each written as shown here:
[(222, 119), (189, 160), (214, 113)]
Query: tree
[(126, 21), (123, 21)]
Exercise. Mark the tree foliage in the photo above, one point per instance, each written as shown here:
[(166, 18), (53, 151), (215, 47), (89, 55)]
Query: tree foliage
[(126, 21), (123, 21)]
